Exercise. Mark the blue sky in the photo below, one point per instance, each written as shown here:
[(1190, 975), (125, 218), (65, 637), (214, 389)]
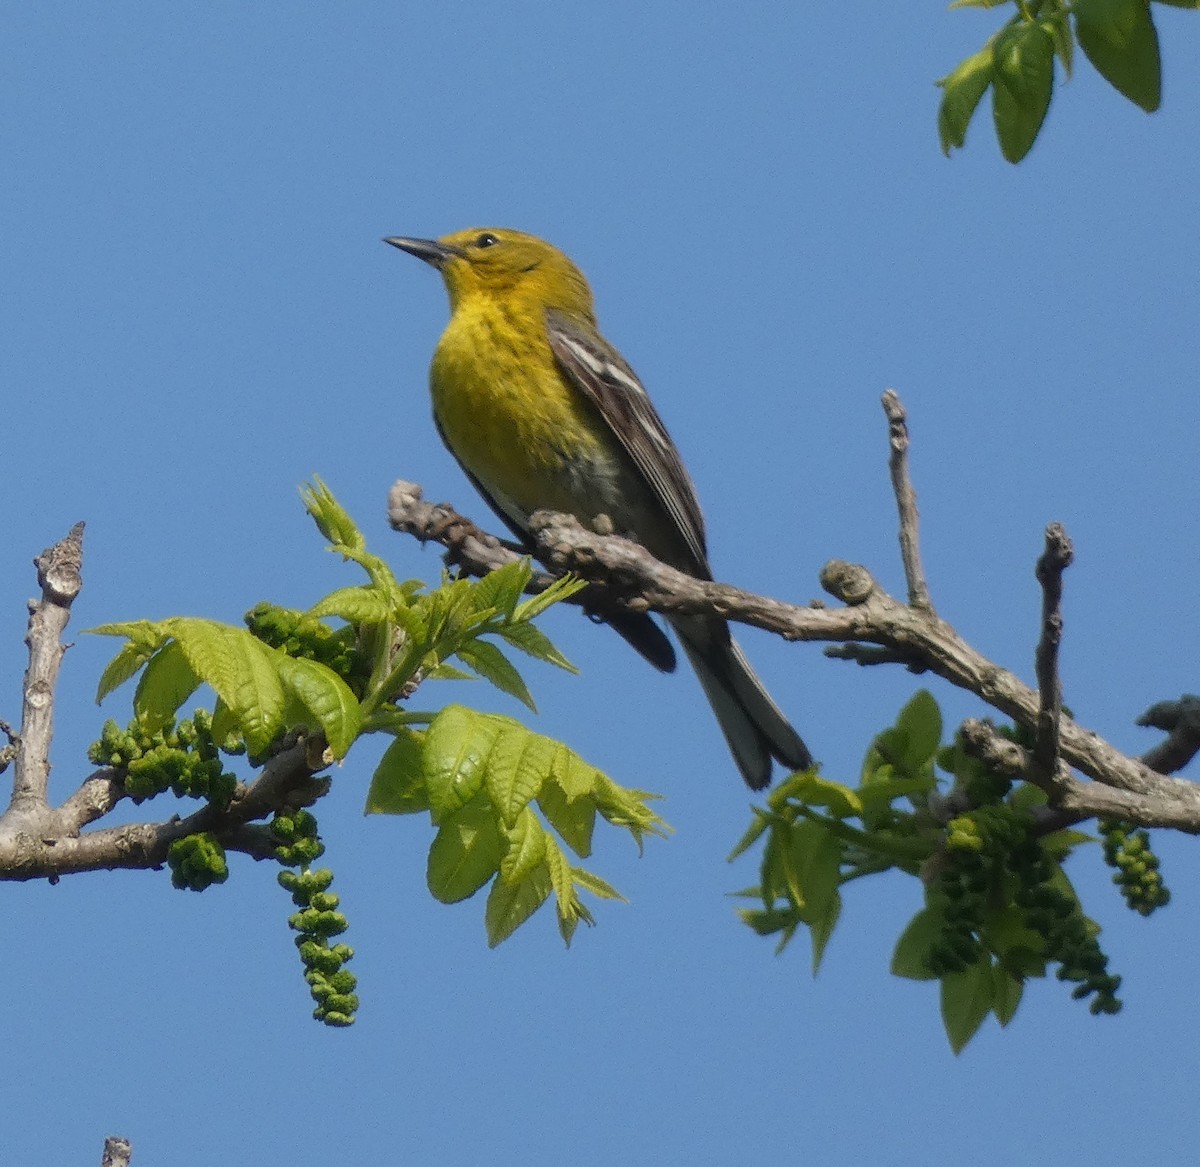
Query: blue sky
[(199, 315)]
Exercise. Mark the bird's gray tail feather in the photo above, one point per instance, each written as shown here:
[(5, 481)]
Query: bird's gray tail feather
[(753, 725)]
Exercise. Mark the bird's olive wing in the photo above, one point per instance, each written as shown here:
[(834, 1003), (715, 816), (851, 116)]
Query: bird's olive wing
[(607, 381)]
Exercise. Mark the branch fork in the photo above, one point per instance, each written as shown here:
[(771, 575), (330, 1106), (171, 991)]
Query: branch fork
[(41, 841)]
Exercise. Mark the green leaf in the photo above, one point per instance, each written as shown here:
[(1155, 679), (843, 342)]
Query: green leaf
[(570, 909), (509, 905), (532, 641), (1019, 950), (326, 697), (573, 819), (398, 784), (445, 672), (167, 682), (778, 878), (1023, 81), (813, 790), (754, 831), (457, 745), (225, 728), (450, 616), (877, 772), (241, 669), (816, 858), (576, 777), (977, 3), (502, 588), (491, 664), (144, 632), (920, 724), (819, 852), (911, 956), (465, 853), (876, 794), (967, 998), (596, 885), (769, 921), (359, 605), (145, 639), (1059, 28), (526, 840), (520, 762), (560, 589), (1007, 992), (788, 864), (627, 808), (821, 926), (332, 521), (1021, 963), (962, 92), (1060, 844), (1119, 38), (877, 764)]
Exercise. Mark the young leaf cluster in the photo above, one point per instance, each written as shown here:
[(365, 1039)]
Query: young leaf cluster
[(508, 805), (999, 908), (262, 693), (1018, 64)]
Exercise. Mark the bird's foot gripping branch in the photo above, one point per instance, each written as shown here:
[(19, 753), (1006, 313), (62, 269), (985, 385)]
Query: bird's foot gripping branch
[(294, 691)]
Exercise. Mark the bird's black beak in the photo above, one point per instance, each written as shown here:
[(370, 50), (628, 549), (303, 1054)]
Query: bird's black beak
[(430, 250)]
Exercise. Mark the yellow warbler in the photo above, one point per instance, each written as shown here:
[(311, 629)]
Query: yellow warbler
[(543, 413)]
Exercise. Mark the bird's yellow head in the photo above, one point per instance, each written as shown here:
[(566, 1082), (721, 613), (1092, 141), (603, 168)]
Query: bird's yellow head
[(497, 263)]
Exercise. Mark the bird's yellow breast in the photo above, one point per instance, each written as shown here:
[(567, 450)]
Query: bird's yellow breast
[(514, 422)]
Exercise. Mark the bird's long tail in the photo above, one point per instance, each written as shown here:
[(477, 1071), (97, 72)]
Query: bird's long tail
[(753, 725)]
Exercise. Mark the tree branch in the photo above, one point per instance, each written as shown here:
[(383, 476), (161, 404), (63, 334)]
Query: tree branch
[(1074, 800), (468, 546), (287, 781), (58, 569), (906, 502), (873, 627), (871, 617)]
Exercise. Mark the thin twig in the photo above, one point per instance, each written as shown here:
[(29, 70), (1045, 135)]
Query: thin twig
[(906, 502), (1051, 564), (60, 581), (8, 752)]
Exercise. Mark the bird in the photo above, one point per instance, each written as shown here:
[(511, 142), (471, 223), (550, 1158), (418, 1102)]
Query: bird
[(542, 413)]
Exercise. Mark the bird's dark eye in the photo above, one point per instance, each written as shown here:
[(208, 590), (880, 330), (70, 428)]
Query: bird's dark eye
[(487, 239)]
